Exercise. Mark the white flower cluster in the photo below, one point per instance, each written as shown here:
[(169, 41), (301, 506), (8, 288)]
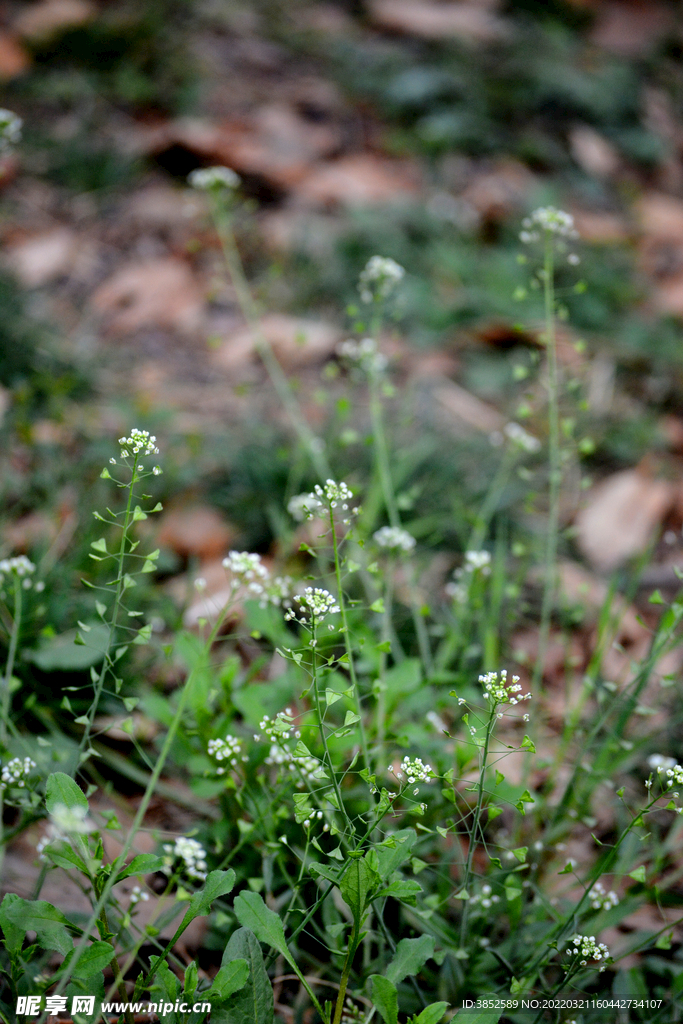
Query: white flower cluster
[(474, 561), (547, 219), (379, 278), (316, 816), (673, 775), (365, 353), (333, 494), (304, 506), (229, 750), (208, 179), (659, 762), (139, 442), (498, 690), (521, 437), (16, 771), (191, 853), (586, 948), (394, 538), (316, 604), (138, 894), (249, 570), (413, 771), (280, 730), (10, 129), (65, 822), (21, 567), (485, 897), (601, 900)]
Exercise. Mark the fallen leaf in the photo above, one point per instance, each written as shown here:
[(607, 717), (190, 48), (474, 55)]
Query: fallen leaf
[(48, 18), (295, 341), (157, 293), (14, 59), (195, 530), (42, 258), (621, 516), (431, 20), (360, 179), (631, 28), (660, 216), (498, 193), (600, 228), (593, 152)]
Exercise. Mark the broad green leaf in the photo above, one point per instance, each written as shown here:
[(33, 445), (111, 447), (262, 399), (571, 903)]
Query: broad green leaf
[(61, 789), (46, 921), (402, 889), (143, 864), (253, 1003), (252, 913), (62, 654), (384, 998), (218, 883), (355, 886), (13, 933), (431, 1014), (479, 1016), (410, 957), (391, 857), (92, 960), (230, 979)]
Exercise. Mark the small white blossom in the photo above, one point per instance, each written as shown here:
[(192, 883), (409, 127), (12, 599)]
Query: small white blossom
[(379, 278), (602, 900), (585, 948), (416, 771), (393, 537), (660, 763), (475, 560), (16, 771), (547, 219), (139, 442), (365, 353), (498, 690), (209, 179), (190, 854), (228, 749), (316, 604), (138, 894), (521, 437), (19, 566), (674, 775), (304, 506)]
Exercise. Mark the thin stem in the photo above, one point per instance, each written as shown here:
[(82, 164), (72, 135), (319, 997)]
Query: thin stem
[(384, 473), (323, 736), (11, 657), (120, 559), (347, 642), (554, 459), (476, 820), (249, 309)]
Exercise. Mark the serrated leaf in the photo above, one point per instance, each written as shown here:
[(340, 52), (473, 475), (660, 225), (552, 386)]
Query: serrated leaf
[(252, 913), (410, 957), (431, 1014), (253, 1003), (384, 998), (49, 924)]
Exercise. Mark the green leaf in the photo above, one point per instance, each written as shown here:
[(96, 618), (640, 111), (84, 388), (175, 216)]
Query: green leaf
[(252, 913), (92, 960), (231, 978), (410, 957), (384, 647), (351, 718), (138, 514), (638, 874), (520, 853), (218, 883), (99, 545), (391, 857), (499, 778), (331, 696), (13, 934), (46, 921), (143, 864), (431, 1014), (528, 744), (144, 634), (402, 889), (384, 998), (355, 887), (61, 789), (253, 1003), (479, 1016), (377, 606), (62, 653)]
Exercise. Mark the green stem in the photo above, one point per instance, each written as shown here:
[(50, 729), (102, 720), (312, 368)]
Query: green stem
[(323, 736), (11, 657), (107, 663), (554, 459), (249, 309), (476, 821), (347, 642), (384, 473)]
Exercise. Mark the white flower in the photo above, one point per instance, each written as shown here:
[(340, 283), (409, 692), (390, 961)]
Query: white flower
[(228, 749), (475, 560), (209, 179), (586, 948), (498, 690), (10, 129), (19, 566), (138, 894), (192, 857), (139, 442), (304, 506), (365, 353), (601, 900), (393, 537), (16, 771), (520, 437), (546, 219), (416, 771), (318, 603), (379, 278), (660, 763)]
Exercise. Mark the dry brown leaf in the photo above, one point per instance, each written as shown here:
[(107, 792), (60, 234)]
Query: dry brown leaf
[(14, 59), (621, 516), (295, 341), (42, 258), (660, 216), (361, 179), (498, 193), (631, 27), (431, 20), (36, 529), (198, 530), (602, 228), (593, 152), (43, 20), (156, 293)]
